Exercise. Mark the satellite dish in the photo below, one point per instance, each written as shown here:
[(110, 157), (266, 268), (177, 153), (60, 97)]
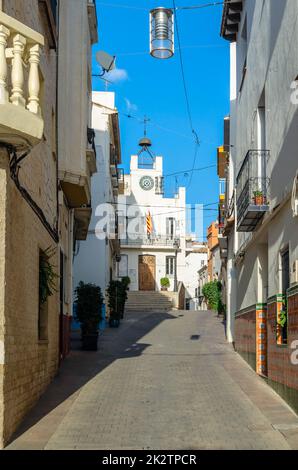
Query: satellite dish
[(106, 61)]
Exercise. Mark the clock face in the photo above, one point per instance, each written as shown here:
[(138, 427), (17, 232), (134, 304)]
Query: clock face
[(147, 183)]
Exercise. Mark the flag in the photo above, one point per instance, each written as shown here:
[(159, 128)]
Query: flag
[(149, 223)]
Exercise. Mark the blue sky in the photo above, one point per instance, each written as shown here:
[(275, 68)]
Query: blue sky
[(147, 86)]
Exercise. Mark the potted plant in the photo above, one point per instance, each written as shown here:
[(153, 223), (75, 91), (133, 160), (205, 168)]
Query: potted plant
[(125, 281), (259, 198), (115, 302), (89, 302), (164, 283)]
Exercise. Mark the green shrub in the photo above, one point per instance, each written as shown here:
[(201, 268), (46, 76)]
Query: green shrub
[(117, 295), (165, 282), (89, 302), (212, 293), (125, 281)]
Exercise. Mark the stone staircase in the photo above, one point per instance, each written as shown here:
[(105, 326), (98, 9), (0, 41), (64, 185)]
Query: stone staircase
[(153, 301)]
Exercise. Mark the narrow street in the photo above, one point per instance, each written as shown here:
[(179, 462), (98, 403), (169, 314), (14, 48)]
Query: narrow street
[(160, 381)]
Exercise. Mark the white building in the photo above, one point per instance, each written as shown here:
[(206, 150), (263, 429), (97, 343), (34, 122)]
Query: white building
[(261, 222), (96, 259), (167, 251), (202, 280)]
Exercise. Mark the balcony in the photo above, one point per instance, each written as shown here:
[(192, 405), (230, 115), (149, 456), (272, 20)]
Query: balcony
[(21, 122), (222, 162), (252, 190), (82, 216), (222, 214), (121, 185), (92, 19), (154, 241), (76, 181), (223, 246), (231, 19), (91, 151)]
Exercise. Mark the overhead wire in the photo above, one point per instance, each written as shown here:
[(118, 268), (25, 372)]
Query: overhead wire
[(190, 7), (188, 107), (194, 133)]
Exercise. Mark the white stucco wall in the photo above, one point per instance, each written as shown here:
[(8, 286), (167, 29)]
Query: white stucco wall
[(93, 262), (272, 65)]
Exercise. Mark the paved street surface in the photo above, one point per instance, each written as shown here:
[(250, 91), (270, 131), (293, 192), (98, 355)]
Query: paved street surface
[(161, 381)]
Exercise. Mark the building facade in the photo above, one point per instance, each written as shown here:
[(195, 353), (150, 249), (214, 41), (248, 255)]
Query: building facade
[(36, 230), (97, 258), (202, 280), (28, 337), (213, 252), (154, 240), (76, 147), (261, 224)]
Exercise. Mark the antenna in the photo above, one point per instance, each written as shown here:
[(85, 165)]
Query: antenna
[(106, 61)]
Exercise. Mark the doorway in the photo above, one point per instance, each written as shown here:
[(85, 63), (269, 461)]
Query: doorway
[(147, 272)]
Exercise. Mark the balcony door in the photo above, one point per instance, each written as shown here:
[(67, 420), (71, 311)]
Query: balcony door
[(147, 272), (170, 227), (261, 142)]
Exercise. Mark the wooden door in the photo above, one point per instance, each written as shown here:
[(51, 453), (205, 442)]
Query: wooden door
[(147, 272)]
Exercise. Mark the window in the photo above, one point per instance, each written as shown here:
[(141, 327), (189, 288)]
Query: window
[(170, 227), (49, 13), (282, 310), (53, 4), (170, 265), (42, 305), (261, 122), (123, 266), (159, 185)]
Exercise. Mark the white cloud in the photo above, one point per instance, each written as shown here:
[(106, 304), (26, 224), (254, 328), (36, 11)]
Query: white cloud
[(130, 106), (117, 75)]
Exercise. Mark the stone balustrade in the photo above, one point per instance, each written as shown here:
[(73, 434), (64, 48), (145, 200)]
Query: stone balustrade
[(20, 48)]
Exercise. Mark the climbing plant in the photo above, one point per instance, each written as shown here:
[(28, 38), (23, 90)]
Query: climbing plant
[(47, 275), (212, 294)]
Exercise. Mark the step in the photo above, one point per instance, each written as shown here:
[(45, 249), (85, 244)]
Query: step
[(149, 301), (154, 308)]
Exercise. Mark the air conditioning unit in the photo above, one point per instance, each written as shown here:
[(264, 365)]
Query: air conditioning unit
[(294, 273)]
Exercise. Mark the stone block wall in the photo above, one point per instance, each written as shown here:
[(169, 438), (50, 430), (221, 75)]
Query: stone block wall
[(27, 365)]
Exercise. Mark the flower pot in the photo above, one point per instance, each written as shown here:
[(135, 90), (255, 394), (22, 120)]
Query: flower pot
[(164, 288), (259, 200), (89, 342), (114, 323)]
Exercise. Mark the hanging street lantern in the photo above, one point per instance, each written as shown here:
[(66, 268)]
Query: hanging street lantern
[(162, 33)]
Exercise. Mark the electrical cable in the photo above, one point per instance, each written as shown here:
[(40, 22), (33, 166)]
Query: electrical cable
[(192, 7), (194, 133), (193, 46), (187, 171), (14, 173), (162, 207)]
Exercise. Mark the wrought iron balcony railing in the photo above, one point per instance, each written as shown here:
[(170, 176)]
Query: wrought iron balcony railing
[(153, 240), (252, 190)]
